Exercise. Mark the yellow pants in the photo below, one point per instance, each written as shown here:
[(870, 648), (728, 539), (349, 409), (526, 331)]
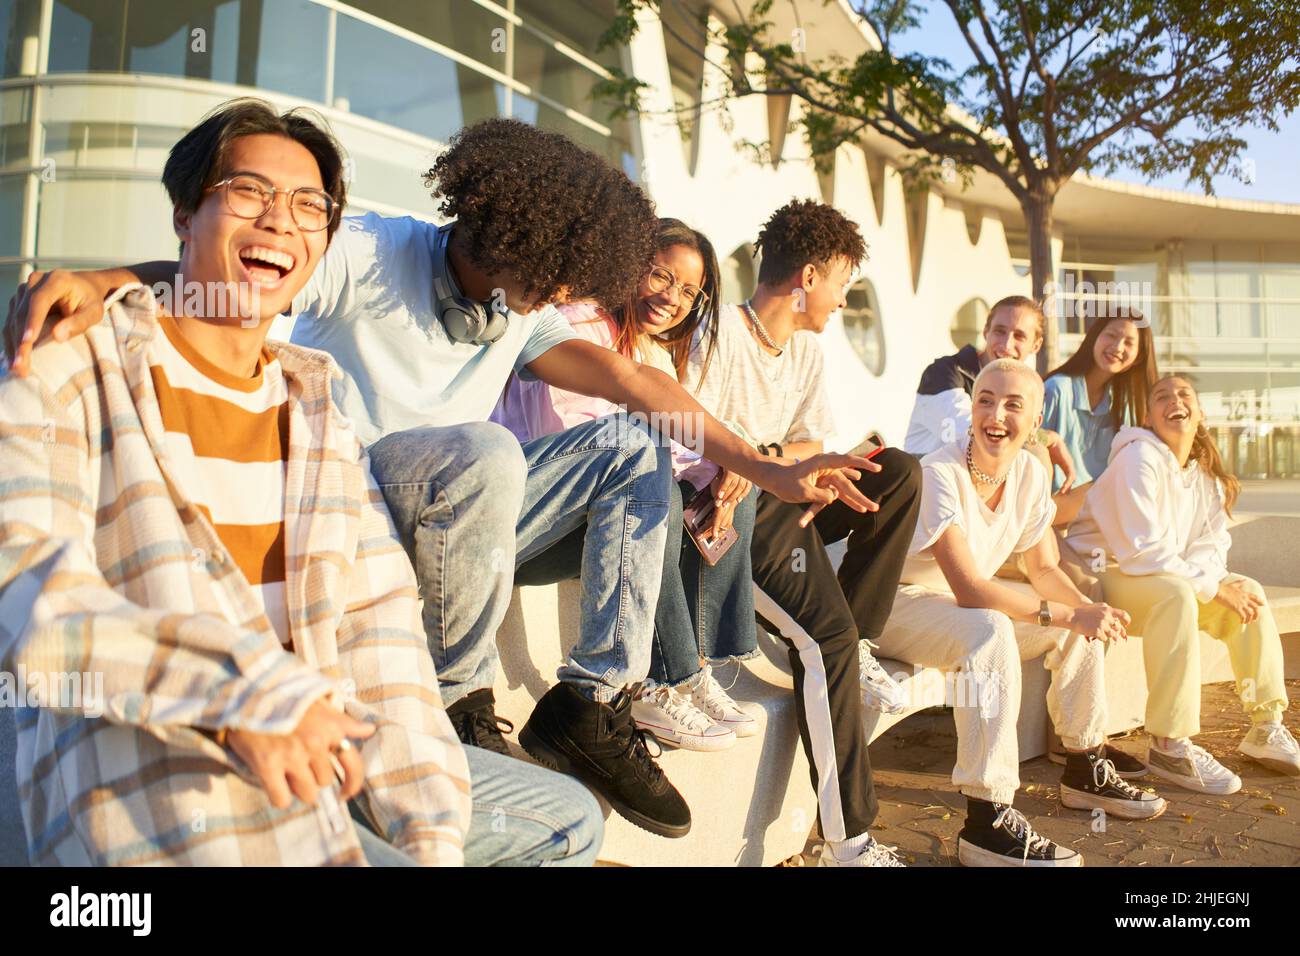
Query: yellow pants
[(1168, 615)]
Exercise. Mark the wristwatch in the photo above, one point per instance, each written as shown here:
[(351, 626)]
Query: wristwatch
[(1044, 615)]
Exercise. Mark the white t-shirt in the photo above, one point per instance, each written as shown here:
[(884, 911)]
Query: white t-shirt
[(948, 497), (775, 398), (370, 305)]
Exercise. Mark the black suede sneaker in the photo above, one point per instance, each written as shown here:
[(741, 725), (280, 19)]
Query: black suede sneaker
[(601, 746), (1090, 783), (477, 724), (1126, 765), (996, 834)]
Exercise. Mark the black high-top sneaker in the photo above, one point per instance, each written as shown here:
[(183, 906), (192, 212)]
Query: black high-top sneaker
[(1126, 765), (601, 746), (997, 834), (477, 724), (1091, 783)]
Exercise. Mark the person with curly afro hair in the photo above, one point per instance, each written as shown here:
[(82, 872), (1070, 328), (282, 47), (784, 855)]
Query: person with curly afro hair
[(427, 323), (533, 205), (766, 375)]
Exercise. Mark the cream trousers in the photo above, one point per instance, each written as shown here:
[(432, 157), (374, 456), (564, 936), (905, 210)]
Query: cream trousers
[(983, 649), (1168, 615)]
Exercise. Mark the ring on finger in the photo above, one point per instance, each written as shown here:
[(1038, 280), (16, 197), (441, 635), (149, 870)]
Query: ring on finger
[(343, 746)]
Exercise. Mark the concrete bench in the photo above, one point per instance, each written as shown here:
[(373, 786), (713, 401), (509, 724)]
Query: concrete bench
[(753, 804)]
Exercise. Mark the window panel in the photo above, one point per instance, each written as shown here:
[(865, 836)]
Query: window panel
[(578, 23), (276, 45), (394, 81), (462, 25), (11, 215), (20, 23), (93, 217), (862, 326)]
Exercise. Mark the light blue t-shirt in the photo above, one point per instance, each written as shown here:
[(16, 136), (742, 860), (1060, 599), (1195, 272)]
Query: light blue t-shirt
[(370, 305), (1086, 431)]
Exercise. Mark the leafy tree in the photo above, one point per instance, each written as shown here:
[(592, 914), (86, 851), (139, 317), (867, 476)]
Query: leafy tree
[(1054, 87)]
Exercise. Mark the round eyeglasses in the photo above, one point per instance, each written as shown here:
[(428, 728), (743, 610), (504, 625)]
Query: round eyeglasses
[(661, 280), (251, 197)]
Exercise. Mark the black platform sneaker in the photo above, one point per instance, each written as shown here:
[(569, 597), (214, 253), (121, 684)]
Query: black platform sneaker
[(1091, 783), (996, 834)]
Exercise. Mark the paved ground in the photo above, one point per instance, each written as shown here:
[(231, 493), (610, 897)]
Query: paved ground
[(921, 813), (1278, 496)]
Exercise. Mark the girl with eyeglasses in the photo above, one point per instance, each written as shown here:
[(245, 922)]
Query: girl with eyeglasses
[(705, 613)]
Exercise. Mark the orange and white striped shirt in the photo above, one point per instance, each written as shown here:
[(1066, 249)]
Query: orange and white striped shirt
[(227, 439)]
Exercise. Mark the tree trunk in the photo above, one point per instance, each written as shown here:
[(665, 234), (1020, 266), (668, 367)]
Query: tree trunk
[(1038, 221)]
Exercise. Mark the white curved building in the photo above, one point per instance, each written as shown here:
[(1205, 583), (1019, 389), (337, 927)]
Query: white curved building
[(94, 92)]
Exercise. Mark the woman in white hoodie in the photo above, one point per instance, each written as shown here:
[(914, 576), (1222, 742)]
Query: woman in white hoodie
[(1155, 529)]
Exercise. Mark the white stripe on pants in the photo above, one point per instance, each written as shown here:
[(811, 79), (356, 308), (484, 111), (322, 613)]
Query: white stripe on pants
[(985, 647), (817, 713)]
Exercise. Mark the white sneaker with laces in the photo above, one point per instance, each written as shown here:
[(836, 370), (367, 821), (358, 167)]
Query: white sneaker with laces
[(879, 691), (1273, 746), (710, 697), (1192, 767), (874, 853), (674, 719)]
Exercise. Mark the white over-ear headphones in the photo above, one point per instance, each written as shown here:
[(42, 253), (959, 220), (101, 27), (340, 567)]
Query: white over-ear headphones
[(467, 321)]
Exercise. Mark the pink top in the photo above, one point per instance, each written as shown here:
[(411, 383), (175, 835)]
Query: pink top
[(531, 409)]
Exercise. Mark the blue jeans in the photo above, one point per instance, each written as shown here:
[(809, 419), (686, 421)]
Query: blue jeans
[(469, 504), (523, 816), (718, 601), (702, 611)]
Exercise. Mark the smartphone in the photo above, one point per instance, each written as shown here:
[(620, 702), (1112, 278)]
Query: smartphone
[(870, 447), (698, 517)]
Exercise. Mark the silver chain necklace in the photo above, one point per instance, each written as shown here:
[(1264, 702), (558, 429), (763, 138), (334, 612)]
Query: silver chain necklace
[(758, 328), (980, 478)]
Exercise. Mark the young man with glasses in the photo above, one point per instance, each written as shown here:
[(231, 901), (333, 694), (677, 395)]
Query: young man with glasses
[(185, 516), (427, 323), (766, 375)]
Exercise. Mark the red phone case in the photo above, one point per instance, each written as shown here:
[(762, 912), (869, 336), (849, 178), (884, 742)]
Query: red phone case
[(869, 447)]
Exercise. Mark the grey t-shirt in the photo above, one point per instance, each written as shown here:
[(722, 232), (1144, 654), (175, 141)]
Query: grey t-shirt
[(775, 398)]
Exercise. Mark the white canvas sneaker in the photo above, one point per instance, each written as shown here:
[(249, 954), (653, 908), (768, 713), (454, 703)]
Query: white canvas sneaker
[(879, 691), (674, 719), (874, 853), (1192, 767), (1273, 746), (709, 696)]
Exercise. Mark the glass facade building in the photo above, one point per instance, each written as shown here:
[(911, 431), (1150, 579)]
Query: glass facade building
[(94, 93), (1227, 315)]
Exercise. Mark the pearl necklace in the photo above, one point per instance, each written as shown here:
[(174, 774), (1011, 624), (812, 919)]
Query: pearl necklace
[(979, 477), (758, 328)]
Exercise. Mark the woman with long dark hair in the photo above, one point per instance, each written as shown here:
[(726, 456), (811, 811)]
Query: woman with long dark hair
[(1158, 519), (705, 612), (1093, 394)]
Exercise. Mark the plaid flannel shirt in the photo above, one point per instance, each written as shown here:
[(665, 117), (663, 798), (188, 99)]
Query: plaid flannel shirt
[(108, 570)]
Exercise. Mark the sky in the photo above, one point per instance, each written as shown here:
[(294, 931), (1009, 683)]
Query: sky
[(1274, 155)]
